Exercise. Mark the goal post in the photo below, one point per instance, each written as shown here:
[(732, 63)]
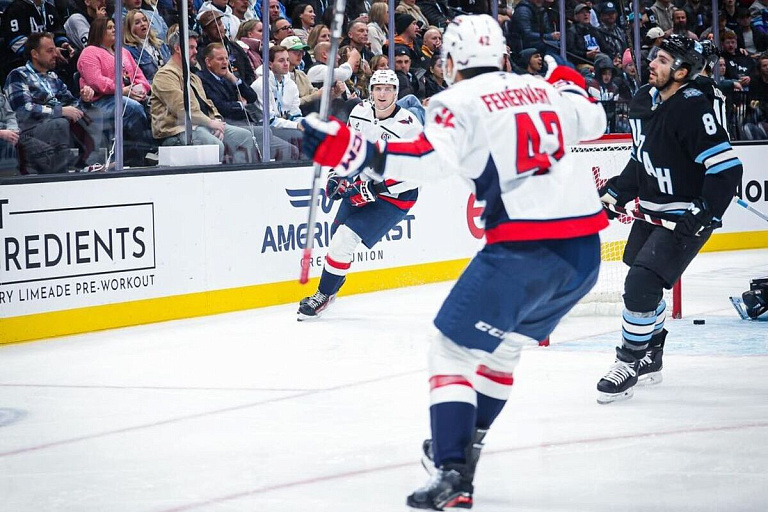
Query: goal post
[(605, 158)]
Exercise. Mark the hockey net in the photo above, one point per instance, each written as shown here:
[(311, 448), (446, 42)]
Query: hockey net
[(606, 158)]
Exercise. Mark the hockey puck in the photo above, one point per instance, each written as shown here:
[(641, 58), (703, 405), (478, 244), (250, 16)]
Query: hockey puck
[(698, 322)]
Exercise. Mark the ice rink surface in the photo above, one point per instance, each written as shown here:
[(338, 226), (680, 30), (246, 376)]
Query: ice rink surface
[(254, 411)]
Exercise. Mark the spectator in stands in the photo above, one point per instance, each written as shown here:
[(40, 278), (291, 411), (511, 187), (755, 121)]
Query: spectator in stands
[(377, 27), (318, 34), (237, 103), (663, 10), (379, 62), (280, 29), (406, 35), (213, 32), (79, 24), (433, 80), (97, 71), (628, 81), (437, 12), (680, 25), (758, 100), (527, 22), (410, 7), (241, 9), (431, 44), (341, 73), (748, 38), (709, 31), (148, 50), (303, 20), (249, 39), (358, 39), (276, 10), (614, 36), (730, 14), (602, 88), (9, 133), (156, 22), (229, 21), (167, 108), (25, 17), (309, 95), (284, 101), (738, 65), (699, 15), (357, 84), (409, 81), (583, 42), (50, 118), (530, 62)]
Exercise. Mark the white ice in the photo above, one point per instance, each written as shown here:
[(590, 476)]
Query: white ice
[(254, 411)]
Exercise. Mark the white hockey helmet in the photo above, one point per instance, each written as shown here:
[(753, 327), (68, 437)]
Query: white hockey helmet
[(384, 77), (472, 41)]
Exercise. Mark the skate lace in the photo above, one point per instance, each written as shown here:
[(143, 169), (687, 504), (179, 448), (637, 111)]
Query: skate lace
[(317, 300), (433, 482), (619, 372), (646, 360)]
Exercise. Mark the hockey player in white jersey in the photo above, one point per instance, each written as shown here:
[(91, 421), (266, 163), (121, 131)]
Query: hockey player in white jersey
[(369, 207), (506, 135)]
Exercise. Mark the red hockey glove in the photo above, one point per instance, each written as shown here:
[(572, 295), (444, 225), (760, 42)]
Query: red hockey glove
[(332, 144), (566, 79)]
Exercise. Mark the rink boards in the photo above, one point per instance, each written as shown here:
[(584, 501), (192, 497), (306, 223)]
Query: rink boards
[(84, 255)]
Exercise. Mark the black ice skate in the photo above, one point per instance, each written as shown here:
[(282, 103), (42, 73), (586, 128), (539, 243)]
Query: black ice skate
[(312, 307), (649, 370), (472, 454), (448, 488), (619, 382)]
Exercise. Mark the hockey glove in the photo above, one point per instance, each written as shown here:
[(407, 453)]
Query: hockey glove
[(336, 187), (610, 194), (696, 218), (332, 144), (360, 193), (565, 78)]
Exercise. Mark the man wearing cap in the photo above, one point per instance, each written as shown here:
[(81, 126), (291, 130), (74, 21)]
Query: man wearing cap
[(406, 35), (530, 62), (309, 95), (237, 103), (229, 21), (582, 39), (409, 82), (410, 7), (213, 32), (615, 38)]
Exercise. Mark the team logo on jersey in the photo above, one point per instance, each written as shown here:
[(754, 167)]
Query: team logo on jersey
[(691, 93), (406, 121), (445, 118)]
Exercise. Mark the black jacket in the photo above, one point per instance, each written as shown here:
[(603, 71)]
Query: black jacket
[(238, 60), (224, 94)]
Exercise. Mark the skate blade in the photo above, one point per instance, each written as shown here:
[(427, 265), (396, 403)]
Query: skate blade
[(428, 465), (304, 318), (607, 398), (650, 379)]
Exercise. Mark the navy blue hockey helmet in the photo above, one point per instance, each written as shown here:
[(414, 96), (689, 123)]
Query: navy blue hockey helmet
[(711, 54), (686, 52)]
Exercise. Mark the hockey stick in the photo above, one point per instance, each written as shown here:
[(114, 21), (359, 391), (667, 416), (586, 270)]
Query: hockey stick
[(641, 216), (325, 101), (744, 204)]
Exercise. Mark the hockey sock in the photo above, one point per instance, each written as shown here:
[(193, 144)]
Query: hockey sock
[(333, 276), (452, 417), (661, 316), (637, 329), (493, 389)]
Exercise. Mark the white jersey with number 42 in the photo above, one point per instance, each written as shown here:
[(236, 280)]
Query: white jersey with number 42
[(507, 134)]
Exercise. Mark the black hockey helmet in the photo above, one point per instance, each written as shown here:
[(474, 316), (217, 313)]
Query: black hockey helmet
[(711, 54), (686, 52)]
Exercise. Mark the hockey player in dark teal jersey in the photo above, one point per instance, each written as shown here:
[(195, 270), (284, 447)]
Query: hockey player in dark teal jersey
[(682, 168)]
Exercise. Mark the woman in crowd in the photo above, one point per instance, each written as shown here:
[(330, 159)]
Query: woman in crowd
[(249, 38), (318, 34), (377, 28), (379, 62), (148, 50), (303, 20), (434, 78), (357, 84), (97, 70)]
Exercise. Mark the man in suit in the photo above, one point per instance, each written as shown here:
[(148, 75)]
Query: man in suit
[(237, 103)]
